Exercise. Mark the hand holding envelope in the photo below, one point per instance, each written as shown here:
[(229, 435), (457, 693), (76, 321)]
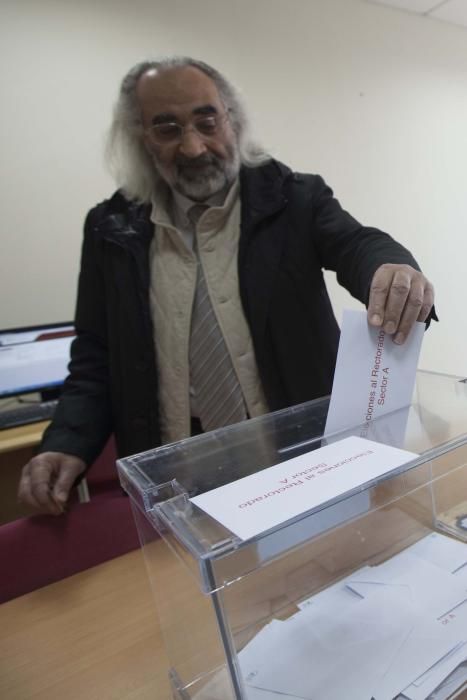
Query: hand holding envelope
[(399, 296), (373, 377)]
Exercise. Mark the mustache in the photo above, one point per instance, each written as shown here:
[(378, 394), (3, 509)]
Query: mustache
[(201, 161)]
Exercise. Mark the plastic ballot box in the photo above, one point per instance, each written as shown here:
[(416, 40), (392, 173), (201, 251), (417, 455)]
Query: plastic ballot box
[(286, 563)]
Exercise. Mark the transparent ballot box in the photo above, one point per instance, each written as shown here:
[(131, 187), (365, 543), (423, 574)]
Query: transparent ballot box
[(360, 595)]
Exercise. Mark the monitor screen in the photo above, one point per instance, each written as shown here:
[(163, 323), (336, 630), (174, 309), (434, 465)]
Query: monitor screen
[(35, 359)]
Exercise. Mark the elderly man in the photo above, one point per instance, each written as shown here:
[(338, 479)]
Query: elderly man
[(201, 297)]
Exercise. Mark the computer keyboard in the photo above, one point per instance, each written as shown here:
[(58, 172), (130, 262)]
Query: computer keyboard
[(27, 413)]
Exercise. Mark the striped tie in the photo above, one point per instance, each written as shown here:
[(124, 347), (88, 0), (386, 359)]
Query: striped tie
[(219, 398)]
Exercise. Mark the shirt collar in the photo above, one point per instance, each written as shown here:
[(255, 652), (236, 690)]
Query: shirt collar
[(164, 203), (219, 199), (184, 203)]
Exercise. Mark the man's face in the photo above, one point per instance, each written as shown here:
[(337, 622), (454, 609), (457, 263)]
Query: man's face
[(196, 164)]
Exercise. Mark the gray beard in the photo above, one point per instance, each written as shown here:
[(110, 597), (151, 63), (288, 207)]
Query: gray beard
[(201, 178)]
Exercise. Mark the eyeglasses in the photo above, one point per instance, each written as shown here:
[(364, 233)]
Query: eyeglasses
[(206, 126)]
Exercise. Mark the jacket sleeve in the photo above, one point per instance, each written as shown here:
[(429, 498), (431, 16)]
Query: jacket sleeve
[(353, 251), (82, 421)]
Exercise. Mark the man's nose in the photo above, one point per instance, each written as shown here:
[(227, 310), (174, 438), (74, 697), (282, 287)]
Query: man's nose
[(191, 144)]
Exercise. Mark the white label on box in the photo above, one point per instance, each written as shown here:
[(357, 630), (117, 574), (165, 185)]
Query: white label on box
[(272, 496)]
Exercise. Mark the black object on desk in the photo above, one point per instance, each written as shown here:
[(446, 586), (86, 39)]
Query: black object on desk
[(27, 413)]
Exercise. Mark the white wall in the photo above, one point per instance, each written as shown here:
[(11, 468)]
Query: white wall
[(372, 98)]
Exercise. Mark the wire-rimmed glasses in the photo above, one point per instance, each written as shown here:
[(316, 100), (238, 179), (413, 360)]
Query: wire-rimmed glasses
[(206, 126)]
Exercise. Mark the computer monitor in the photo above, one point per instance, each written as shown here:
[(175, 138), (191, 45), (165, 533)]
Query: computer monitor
[(35, 359)]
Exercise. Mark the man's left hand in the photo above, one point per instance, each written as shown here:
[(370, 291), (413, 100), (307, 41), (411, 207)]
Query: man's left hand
[(399, 296)]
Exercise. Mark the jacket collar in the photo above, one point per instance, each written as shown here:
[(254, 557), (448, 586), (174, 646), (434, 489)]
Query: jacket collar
[(262, 192), (126, 221)]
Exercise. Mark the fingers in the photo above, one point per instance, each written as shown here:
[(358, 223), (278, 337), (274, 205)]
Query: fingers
[(418, 305), (399, 296), (71, 468), (35, 485), (428, 302), (379, 292), (47, 479), (404, 303)]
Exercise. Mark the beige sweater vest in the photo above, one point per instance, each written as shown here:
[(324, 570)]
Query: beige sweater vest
[(172, 288)]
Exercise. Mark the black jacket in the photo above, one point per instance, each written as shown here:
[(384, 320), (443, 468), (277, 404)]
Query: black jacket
[(291, 228)]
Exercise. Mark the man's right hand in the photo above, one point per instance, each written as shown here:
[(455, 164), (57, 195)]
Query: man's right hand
[(47, 479)]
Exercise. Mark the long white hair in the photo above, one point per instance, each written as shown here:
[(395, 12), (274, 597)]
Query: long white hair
[(126, 156)]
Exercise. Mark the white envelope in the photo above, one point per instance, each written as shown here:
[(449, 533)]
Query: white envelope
[(456, 620), (334, 600), (455, 681), (432, 679), (373, 375), (433, 589), (427, 643), (332, 657), (447, 553), (461, 574), (254, 654)]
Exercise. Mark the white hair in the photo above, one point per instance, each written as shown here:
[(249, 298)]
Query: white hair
[(126, 155)]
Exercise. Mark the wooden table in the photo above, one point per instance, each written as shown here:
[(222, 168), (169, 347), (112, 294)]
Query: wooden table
[(93, 636), (21, 437)]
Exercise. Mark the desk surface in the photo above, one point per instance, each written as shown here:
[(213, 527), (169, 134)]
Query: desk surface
[(94, 635), (21, 436)]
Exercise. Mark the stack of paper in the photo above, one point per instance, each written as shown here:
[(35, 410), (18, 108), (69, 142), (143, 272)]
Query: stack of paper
[(397, 630)]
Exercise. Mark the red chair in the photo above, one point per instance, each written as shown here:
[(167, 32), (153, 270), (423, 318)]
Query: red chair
[(41, 549), (102, 476)]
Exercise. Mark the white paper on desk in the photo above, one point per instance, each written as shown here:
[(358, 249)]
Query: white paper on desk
[(433, 589), (317, 655), (431, 680), (335, 599), (255, 654), (448, 661), (219, 685), (447, 553), (263, 500), (259, 649), (426, 645), (455, 681), (461, 574), (456, 621), (453, 684), (354, 651), (373, 375)]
